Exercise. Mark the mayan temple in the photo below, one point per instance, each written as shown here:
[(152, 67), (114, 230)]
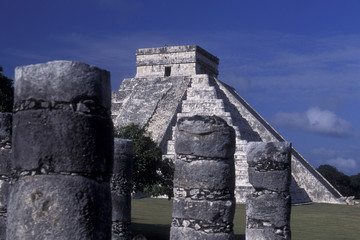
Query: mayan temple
[(180, 81)]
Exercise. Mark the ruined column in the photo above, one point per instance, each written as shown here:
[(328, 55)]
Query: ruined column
[(268, 207), (121, 185), (62, 153), (204, 179), (5, 168)]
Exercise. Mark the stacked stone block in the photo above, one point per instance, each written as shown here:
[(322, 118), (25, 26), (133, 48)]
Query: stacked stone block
[(62, 153), (5, 168), (121, 185), (268, 207), (204, 179)]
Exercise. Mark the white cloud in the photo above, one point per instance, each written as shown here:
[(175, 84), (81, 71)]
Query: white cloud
[(343, 164), (315, 120)]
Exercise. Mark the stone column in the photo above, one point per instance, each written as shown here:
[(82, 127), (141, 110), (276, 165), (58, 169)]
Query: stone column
[(5, 168), (121, 185), (204, 179), (268, 207), (62, 153)]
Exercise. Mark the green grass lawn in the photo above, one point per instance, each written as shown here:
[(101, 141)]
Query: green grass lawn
[(152, 218)]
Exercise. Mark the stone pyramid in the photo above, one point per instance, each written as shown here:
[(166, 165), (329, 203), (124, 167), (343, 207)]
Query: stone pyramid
[(177, 81)]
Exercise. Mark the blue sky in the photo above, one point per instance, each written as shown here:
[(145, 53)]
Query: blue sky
[(296, 62)]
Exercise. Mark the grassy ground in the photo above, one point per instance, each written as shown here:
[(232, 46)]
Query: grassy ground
[(152, 218)]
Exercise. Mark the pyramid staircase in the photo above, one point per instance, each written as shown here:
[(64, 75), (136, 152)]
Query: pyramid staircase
[(157, 97), (202, 98)]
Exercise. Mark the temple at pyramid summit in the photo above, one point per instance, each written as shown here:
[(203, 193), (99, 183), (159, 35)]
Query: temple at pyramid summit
[(176, 81)]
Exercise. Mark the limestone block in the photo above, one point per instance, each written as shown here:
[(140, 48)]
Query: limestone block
[(62, 153), (272, 180), (212, 211), (266, 234), (123, 153), (204, 136), (204, 179), (165, 58), (121, 231), (2, 227), (121, 184), (205, 174), (5, 161), (268, 208), (272, 208), (121, 208), (59, 207), (63, 81), (4, 194), (62, 141), (178, 233), (269, 165), (269, 156), (5, 129)]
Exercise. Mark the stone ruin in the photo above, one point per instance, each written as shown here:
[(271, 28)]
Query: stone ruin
[(5, 167), (60, 180), (204, 179), (62, 157), (181, 81), (268, 207), (58, 177), (121, 185)]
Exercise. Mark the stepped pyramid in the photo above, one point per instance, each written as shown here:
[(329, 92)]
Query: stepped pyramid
[(178, 81)]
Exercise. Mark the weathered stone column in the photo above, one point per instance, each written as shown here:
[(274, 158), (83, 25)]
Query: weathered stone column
[(268, 207), (121, 185), (204, 179), (5, 168), (62, 153)]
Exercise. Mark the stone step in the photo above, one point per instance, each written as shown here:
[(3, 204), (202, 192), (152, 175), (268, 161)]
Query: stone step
[(171, 147), (224, 115), (115, 108), (173, 133), (239, 143), (213, 101), (190, 114), (168, 156), (200, 80), (202, 93), (214, 107), (239, 154), (240, 147), (241, 164), (242, 182), (119, 96), (241, 168)]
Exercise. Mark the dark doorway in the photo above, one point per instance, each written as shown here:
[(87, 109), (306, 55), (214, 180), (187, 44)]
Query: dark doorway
[(167, 71)]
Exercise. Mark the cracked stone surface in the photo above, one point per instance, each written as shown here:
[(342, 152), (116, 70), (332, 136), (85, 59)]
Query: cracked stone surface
[(268, 208), (121, 185), (204, 179), (62, 153)]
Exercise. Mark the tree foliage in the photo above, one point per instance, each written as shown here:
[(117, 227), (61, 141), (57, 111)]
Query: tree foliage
[(150, 174), (346, 185), (6, 93)]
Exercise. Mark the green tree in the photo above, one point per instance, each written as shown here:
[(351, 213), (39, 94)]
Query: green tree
[(355, 185), (6, 93), (338, 179), (150, 174)]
